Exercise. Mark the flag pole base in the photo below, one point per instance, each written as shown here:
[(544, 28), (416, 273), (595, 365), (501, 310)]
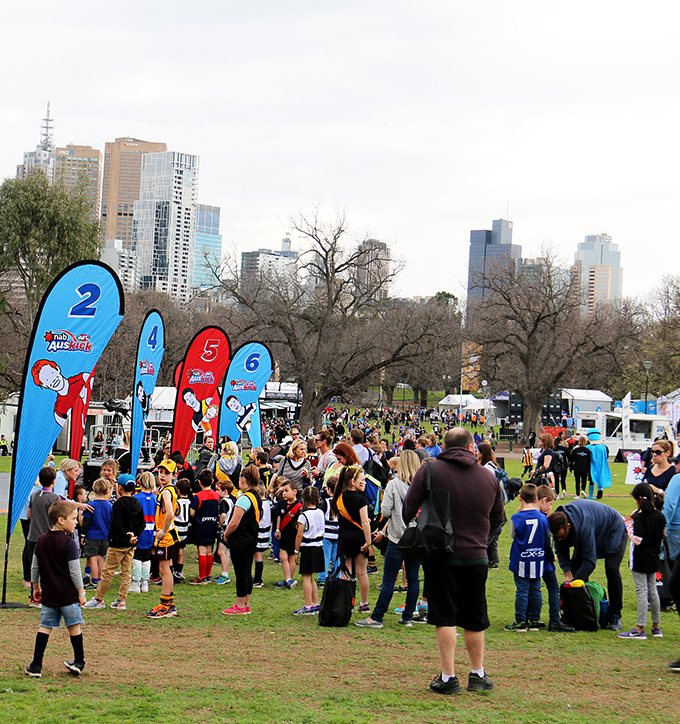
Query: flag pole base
[(9, 604)]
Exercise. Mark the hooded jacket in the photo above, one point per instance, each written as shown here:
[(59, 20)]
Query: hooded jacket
[(475, 496), (596, 532)]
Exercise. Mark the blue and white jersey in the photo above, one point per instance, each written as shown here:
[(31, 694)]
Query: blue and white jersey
[(531, 539)]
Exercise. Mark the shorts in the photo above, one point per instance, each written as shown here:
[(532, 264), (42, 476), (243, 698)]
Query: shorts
[(51, 617), (350, 547), (312, 560), (94, 548), (165, 553), (142, 554), (456, 595)]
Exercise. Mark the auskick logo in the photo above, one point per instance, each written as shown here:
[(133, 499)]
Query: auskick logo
[(62, 340), (146, 367), (237, 385), (198, 376)]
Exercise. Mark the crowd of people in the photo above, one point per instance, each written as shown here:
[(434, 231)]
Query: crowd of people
[(322, 504)]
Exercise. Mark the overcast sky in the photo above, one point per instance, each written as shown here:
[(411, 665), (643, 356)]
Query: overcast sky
[(421, 120)]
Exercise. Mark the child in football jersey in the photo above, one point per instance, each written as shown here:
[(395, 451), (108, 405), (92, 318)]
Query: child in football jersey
[(95, 529), (309, 544), (530, 535), (264, 534), (182, 523), (225, 490), (204, 512), (286, 531), (141, 562)]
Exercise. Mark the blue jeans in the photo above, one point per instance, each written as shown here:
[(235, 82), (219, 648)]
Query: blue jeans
[(330, 555), (673, 538), (528, 599), (550, 580), (391, 567)]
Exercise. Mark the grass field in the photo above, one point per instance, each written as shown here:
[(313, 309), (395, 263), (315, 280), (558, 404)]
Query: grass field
[(271, 667)]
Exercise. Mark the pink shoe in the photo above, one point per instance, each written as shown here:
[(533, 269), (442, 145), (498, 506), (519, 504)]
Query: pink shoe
[(237, 609)]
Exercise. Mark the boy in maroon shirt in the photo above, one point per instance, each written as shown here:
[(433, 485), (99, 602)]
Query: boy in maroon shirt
[(58, 584)]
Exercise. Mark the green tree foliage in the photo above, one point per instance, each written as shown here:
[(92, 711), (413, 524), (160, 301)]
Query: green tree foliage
[(43, 229)]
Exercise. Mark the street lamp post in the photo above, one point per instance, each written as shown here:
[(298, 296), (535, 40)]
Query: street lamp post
[(648, 366)]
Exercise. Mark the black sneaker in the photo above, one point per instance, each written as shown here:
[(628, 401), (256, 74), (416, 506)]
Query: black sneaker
[(479, 683), (520, 626), (450, 687), (35, 672), (420, 618), (560, 627), (675, 666), (599, 494), (371, 570), (75, 667), (533, 626)]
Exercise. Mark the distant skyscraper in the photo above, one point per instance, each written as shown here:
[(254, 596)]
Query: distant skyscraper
[(487, 248), (597, 272), (124, 262), (208, 243), (122, 172), (44, 154), (74, 163), (374, 270), (165, 223), (268, 264)]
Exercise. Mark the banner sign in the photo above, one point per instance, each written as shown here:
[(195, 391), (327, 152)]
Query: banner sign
[(77, 317), (150, 351), (248, 373), (78, 419), (202, 370)]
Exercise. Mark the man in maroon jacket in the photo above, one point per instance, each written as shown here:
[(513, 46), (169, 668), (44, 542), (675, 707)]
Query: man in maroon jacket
[(456, 584)]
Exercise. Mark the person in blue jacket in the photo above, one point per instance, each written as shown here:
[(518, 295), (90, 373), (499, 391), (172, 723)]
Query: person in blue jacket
[(600, 474), (594, 531)]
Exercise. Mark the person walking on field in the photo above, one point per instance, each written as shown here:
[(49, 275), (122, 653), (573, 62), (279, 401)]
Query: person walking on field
[(456, 584)]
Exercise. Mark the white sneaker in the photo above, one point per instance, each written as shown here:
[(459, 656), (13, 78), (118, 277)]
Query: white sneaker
[(119, 605), (145, 586), (94, 603), (135, 587)]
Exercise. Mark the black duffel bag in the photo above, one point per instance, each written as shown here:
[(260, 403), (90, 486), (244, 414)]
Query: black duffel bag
[(337, 601)]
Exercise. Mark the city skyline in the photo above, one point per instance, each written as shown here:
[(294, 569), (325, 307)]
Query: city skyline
[(399, 119)]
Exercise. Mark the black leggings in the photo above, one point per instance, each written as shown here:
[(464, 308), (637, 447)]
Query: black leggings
[(242, 563), (581, 480)]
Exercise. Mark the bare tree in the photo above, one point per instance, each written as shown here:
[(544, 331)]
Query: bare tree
[(328, 321)]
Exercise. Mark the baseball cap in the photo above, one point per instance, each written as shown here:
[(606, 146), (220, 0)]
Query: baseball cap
[(169, 465), (128, 482)]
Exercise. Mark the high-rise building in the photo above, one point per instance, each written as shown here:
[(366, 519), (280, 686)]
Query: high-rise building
[(486, 249), (124, 262), (44, 154), (272, 265), (597, 273), (165, 223), (374, 267), (81, 163), (208, 250), (120, 190)]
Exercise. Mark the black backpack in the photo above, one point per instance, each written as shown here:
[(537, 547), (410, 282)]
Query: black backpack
[(560, 464)]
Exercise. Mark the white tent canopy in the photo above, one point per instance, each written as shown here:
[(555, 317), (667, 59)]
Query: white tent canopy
[(464, 402)]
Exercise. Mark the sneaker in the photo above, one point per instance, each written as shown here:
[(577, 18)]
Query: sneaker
[(259, 584), (221, 580), (145, 586), (94, 603), (615, 623), (422, 607), (520, 626), (317, 608), (119, 605), (368, 623), (583, 494), (479, 683), (162, 611), (364, 608), (304, 611), (91, 587), (75, 667), (180, 574), (599, 494), (657, 632), (450, 687), (237, 609), (135, 587), (533, 626), (420, 618), (633, 634), (291, 584), (674, 666), (493, 566), (405, 622), (155, 581), (372, 570), (281, 584), (35, 672), (198, 581), (320, 585), (560, 627), (400, 609), (34, 603)]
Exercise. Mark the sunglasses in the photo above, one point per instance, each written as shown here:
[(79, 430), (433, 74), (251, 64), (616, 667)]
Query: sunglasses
[(657, 452)]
